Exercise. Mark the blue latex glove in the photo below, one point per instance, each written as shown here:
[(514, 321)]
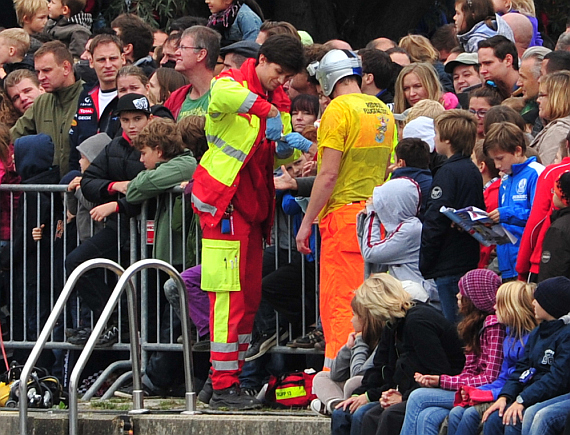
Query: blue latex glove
[(296, 140), (274, 128), (283, 150)]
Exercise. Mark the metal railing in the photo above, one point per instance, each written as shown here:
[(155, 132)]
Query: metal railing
[(42, 295)]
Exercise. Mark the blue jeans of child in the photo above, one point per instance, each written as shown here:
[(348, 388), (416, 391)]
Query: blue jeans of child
[(426, 409), (548, 417), (447, 289), (464, 421), (346, 423)]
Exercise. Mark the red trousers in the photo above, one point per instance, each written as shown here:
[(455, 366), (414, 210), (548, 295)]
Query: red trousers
[(231, 273)]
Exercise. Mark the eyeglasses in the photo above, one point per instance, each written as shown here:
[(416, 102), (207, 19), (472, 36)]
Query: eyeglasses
[(479, 113), (187, 47)]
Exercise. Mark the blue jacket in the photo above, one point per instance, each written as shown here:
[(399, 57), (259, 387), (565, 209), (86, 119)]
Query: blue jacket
[(421, 176), (516, 196), (246, 25), (292, 208), (548, 352), (513, 350)]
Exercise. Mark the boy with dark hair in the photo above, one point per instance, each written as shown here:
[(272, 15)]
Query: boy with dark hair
[(555, 260), (107, 176), (137, 38), (69, 24), (233, 194), (446, 253), (412, 161), (378, 75), (506, 145)]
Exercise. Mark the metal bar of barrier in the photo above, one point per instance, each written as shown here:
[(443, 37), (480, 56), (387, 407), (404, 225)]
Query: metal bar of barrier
[(125, 283), (48, 328)]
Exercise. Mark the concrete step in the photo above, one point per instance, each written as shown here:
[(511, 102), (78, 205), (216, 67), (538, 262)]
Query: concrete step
[(55, 422)]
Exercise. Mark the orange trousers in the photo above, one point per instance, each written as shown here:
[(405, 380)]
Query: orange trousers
[(342, 272)]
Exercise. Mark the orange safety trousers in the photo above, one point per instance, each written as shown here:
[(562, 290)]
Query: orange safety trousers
[(342, 272), (231, 312)]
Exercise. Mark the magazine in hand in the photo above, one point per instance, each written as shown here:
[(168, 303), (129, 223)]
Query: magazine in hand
[(478, 224)]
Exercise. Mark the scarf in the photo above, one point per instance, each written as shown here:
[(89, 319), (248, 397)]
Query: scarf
[(223, 20)]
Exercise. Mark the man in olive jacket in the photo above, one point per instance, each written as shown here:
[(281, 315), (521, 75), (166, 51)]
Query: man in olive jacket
[(53, 112)]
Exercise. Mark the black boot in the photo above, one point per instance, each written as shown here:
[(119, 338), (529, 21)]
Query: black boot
[(232, 399)]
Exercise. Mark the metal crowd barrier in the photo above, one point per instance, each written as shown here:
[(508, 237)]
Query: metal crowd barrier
[(60, 237)]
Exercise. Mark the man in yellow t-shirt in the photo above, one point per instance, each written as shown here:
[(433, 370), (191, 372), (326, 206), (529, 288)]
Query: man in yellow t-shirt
[(355, 139)]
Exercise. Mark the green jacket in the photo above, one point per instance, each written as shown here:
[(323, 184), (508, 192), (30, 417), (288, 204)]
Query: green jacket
[(52, 114), (154, 183)]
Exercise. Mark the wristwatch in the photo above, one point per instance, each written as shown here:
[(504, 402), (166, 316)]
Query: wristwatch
[(520, 400)]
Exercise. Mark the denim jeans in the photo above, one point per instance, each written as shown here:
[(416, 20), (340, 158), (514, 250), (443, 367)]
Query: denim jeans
[(426, 409), (346, 423), (548, 417), (447, 289), (464, 421), (494, 425)]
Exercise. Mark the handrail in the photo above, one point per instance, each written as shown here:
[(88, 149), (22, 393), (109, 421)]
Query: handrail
[(124, 282), (48, 328), (138, 396)]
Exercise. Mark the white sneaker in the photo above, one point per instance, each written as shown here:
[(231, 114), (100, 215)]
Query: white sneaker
[(318, 407), (331, 405)]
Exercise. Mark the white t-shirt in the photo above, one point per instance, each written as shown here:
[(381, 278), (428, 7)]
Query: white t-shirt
[(105, 97)]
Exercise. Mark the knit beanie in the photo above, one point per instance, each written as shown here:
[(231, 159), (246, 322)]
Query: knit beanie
[(480, 286), (553, 295), (92, 146)]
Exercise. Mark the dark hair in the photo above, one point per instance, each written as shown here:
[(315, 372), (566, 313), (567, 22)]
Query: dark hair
[(445, 38), (414, 151), (133, 71), (491, 95), (501, 47), (74, 6), (313, 52), (398, 50), (183, 23), (476, 11), (481, 157), (124, 19), (379, 64), (557, 61), (163, 134), (504, 136), (272, 28), (58, 49), (471, 325), (208, 39), (284, 50), (254, 7), (169, 80), (105, 39), (503, 114), (140, 35), (564, 185), (305, 103)]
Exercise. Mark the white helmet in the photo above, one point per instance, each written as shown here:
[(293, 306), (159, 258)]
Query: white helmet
[(335, 65)]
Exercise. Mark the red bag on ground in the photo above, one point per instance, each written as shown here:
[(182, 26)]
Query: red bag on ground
[(291, 390)]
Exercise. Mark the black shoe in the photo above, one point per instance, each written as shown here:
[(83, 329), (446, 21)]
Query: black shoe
[(109, 337), (203, 345), (206, 392), (232, 399), (78, 336), (127, 392)]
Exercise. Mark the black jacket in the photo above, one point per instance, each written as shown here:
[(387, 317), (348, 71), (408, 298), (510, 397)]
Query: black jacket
[(445, 250), (555, 260), (118, 161), (423, 341), (87, 122)]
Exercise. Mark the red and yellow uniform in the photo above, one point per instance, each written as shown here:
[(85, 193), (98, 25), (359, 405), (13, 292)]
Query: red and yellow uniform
[(233, 194)]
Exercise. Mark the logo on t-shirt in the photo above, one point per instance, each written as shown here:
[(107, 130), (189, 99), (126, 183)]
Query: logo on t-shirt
[(436, 192), (548, 357)]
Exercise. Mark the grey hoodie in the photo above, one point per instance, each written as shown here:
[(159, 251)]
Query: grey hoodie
[(396, 205), (469, 41)]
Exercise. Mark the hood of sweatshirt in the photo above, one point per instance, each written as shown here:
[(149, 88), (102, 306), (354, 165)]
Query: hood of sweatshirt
[(33, 155), (396, 201)]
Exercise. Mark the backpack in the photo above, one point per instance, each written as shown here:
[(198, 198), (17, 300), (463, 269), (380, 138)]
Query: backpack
[(44, 391), (291, 390)]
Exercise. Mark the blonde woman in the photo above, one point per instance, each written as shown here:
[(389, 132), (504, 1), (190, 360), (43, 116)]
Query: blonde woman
[(419, 81), (415, 336), (421, 49), (514, 310), (554, 108)]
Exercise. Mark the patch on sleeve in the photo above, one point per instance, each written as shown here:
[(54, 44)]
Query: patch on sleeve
[(436, 192), (545, 257)]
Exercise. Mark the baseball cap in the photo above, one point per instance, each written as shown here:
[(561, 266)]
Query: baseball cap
[(462, 59), (133, 103), (243, 48)]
